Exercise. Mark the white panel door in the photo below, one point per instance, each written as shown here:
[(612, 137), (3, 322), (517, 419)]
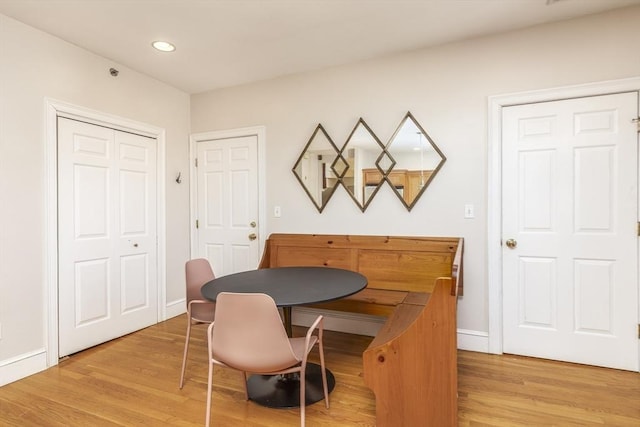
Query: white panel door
[(570, 272), (227, 203), (106, 234)]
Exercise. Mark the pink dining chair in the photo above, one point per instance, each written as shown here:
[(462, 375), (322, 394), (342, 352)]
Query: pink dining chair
[(198, 272), (249, 336)]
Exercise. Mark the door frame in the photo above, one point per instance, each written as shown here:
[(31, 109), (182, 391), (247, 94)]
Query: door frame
[(494, 190), (260, 133), (53, 110)]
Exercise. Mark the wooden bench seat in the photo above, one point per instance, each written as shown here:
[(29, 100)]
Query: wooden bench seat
[(378, 302), (411, 364)]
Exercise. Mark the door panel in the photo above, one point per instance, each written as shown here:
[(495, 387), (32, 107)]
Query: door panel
[(134, 282), (537, 292), (106, 234), (570, 284), (227, 203), (91, 302)]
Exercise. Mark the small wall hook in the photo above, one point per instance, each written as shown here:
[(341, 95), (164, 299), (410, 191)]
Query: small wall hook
[(179, 178)]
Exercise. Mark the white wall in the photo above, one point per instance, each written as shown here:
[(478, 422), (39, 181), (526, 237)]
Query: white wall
[(35, 66), (446, 88)]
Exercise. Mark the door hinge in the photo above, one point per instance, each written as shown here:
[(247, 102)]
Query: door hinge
[(638, 230), (196, 161), (637, 122), (197, 224)]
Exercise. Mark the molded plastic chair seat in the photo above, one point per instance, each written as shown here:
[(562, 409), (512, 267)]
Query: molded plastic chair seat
[(249, 336)]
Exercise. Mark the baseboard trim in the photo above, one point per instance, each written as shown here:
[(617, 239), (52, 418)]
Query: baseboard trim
[(22, 366), (340, 321), (473, 340), (176, 308), (370, 325)]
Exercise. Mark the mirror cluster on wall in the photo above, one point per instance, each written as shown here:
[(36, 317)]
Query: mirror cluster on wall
[(407, 163)]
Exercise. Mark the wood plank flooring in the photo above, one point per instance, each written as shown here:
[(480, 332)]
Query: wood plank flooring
[(134, 381)]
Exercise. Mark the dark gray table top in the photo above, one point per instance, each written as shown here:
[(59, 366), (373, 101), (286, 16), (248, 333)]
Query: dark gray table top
[(290, 286)]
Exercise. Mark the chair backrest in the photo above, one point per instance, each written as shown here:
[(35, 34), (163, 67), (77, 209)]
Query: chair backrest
[(198, 272), (249, 335)]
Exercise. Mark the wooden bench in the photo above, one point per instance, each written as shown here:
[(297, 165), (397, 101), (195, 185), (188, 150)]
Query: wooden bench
[(411, 364)]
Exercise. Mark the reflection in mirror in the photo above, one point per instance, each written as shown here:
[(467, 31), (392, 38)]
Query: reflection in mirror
[(313, 168), (357, 164), (417, 160)]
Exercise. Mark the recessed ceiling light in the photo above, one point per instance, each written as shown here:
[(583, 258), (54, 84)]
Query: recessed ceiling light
[(163, 46)]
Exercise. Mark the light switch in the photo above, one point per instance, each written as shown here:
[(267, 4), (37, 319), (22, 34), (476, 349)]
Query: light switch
[(276, 211), (468, 211)]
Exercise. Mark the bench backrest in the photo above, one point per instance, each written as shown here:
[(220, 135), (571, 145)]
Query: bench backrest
[(393, 263)]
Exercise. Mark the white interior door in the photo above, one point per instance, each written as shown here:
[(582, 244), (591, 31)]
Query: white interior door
[(570, 212), (227, 203), (106, 234)]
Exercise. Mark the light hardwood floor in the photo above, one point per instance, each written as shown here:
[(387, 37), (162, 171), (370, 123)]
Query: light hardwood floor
[(134, 381)]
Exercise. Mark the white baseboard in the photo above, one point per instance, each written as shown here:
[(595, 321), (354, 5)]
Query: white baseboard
[(340, 321), (473, 340), (176, 308), (370, 325), (22, 366)]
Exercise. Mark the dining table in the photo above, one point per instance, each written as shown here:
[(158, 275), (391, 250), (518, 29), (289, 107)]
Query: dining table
[(289, 287)]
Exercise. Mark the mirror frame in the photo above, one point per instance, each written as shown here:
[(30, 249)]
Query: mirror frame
[(339, 167), (407, 117), (365, 203), (323, 203)]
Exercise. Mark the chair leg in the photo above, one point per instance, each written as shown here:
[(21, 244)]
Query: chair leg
[(246, 392), (323, 369), (186, 349), (209, 386), (303, 403)]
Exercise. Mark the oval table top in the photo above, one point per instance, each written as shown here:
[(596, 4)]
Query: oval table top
[(290, 286)]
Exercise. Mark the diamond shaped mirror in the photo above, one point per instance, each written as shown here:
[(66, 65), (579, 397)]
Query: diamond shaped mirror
[(357, 165), (313, 168), (417, 160)]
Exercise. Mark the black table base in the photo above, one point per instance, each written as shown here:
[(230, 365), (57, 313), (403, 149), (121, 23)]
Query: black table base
[(283, 391)]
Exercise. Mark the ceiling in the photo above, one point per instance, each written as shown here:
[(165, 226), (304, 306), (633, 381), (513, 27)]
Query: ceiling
[(224, 43)]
